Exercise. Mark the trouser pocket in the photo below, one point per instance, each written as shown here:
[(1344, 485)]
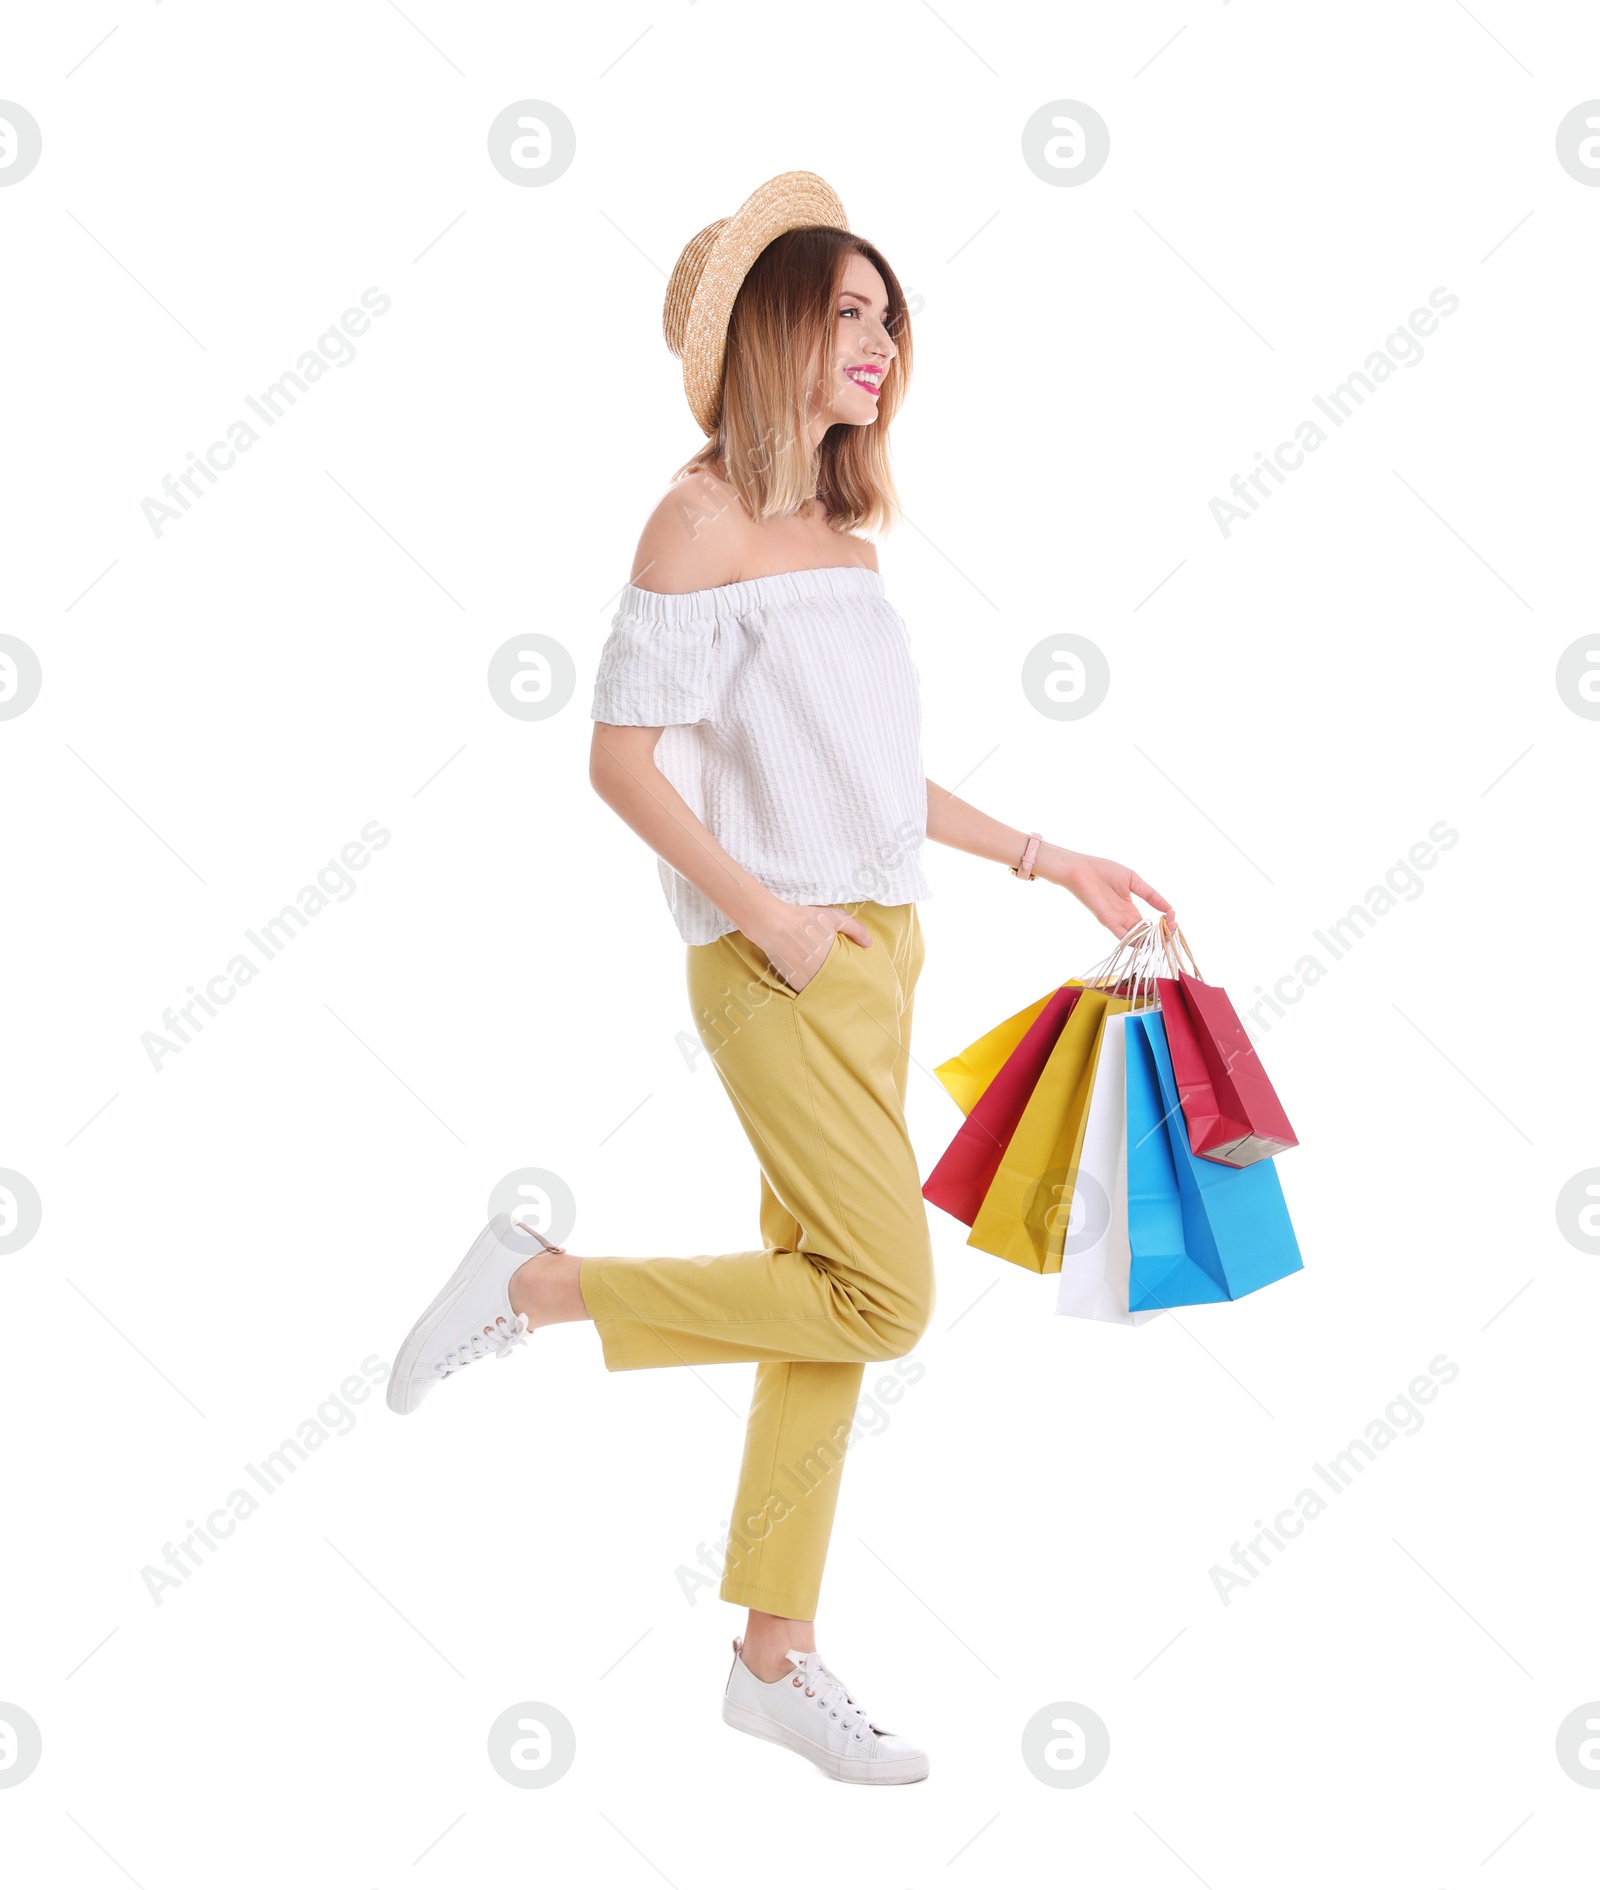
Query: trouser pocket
[(837, 945)]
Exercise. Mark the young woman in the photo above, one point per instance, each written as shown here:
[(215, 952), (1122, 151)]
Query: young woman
[(758, 726)]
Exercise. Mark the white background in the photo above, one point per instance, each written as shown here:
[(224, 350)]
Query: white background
[(1292, 707)]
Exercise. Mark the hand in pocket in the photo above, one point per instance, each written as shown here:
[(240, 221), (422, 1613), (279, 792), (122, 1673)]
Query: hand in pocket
[(797, 940)]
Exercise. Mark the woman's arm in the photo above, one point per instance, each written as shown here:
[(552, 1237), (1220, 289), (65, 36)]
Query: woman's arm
[(623, 772), (1102, 885), (695, 539)]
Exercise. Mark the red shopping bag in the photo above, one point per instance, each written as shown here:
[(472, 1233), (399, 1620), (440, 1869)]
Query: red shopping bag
[(1229, 1106), (962, 1175)]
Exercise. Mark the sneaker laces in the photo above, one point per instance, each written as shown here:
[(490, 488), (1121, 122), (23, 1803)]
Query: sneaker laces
[(831, 1693), (499, 1340)]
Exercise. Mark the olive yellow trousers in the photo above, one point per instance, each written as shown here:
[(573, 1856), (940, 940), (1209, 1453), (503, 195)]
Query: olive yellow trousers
[(845, 1272)]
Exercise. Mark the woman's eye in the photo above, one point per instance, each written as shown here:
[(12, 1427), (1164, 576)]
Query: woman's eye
[(850, 311)]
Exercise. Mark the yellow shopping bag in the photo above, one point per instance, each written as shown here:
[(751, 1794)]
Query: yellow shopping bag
[(1024, 1215), (968, 1075)]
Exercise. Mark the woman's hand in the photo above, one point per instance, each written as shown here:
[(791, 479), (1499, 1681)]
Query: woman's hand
[(798, 938), (1106, 888)]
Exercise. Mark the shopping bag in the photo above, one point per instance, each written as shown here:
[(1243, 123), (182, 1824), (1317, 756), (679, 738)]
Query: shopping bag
[(962, 1175), (968, 1075), (1095, 1253), (1199, 1232), (1023, 1217), (1230, 1108)]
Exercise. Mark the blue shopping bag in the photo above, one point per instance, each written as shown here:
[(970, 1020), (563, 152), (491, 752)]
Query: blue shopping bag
[(1199, 1232)]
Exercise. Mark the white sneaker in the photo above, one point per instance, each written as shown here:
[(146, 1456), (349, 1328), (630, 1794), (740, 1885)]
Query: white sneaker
[(471, 1316), (811, 1712)]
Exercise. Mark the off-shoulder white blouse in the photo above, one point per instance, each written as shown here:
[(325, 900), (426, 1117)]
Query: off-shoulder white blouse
[(790, 712)]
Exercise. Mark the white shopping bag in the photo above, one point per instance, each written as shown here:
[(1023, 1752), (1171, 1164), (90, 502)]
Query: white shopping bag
[(1095, 1255)]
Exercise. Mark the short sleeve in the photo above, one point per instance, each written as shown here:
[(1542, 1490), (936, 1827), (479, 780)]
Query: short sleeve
[(655, 666)]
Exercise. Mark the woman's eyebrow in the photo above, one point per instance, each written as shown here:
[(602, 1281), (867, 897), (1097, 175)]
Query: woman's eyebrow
[(855, 296)]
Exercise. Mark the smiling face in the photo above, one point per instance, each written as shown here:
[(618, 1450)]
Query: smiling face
[(863, 351), (817, 364)]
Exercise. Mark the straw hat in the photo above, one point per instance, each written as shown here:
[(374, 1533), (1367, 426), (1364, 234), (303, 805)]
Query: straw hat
[(713, 266)]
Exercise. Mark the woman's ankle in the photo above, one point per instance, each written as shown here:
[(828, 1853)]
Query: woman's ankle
[(767, 1640), (545, 1289)]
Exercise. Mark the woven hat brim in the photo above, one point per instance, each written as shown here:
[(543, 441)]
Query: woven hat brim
[(681, 287), (792, 201)]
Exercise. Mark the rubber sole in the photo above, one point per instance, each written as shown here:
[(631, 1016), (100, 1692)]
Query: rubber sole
[(850, 1771), (415, 1343)]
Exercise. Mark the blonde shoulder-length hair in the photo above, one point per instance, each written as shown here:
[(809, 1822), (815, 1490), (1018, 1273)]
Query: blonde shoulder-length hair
[(783, 322)]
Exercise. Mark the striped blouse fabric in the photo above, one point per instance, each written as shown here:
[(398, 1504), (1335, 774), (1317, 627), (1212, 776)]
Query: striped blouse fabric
[(791, 722)]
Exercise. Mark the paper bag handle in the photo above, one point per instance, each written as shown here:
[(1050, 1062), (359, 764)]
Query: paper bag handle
[(1100, 971), (1135, 961), (1153, 953), (1140, 954), (1121, 959), (1172, 934)]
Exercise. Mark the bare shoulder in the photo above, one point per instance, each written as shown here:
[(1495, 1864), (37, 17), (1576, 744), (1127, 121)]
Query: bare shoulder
[(864, 551), (694, 539)]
